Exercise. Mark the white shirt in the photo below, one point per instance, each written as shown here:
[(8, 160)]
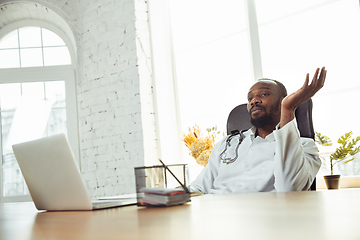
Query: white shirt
[(283, 161)]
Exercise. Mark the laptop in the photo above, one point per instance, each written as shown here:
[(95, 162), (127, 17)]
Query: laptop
[(53, 177)]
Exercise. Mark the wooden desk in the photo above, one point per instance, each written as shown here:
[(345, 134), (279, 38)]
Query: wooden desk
[(294, 215)]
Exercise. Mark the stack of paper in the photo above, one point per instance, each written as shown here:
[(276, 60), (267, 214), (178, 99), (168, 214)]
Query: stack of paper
[(163, 196)]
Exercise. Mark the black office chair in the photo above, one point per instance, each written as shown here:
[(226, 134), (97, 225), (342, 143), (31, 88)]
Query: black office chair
[(239, 119)]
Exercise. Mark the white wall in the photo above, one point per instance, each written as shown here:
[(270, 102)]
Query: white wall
[(116, 115)]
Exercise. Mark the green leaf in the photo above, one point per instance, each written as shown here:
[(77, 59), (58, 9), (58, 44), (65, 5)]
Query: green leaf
[(339, 154), (345, 138), (353, 142), (355, 151), (323, 140), (349, 160)]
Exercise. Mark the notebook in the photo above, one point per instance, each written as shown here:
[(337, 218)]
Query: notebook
[(53, 177)]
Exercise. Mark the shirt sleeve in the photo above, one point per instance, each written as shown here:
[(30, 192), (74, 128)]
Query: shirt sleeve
[(296, 161), (204, 181)]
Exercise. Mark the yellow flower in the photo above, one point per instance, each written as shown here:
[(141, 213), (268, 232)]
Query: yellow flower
[(199, 147), (204, 157), (193, 134)]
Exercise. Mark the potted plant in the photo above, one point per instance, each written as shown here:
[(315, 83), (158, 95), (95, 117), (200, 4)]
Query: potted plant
[(344, 153)]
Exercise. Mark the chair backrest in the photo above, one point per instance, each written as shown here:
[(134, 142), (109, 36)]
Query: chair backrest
[(239, 119)]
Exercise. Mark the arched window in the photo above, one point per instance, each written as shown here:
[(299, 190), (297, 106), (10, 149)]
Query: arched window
[(37, 95), (33, 47)]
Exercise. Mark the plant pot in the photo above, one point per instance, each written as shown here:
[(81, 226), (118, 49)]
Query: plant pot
[(332, 181)]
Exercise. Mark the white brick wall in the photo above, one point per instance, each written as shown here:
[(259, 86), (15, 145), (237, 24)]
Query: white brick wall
[(114, 85), (117, 128)]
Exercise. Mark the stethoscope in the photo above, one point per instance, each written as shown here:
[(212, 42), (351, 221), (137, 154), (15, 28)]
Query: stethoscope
[(223, 157)]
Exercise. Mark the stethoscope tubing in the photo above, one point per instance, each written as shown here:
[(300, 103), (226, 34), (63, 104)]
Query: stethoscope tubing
[(228, 140)]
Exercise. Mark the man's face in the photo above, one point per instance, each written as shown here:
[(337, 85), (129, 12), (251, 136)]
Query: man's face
[(264, 104)]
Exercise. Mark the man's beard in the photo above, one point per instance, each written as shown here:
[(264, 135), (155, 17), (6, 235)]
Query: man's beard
[(267, 118)]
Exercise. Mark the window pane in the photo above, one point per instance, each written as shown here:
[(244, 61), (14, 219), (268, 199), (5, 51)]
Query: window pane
[(55, 90), (30, 37), (12, 175), (14, 183), (10, 40), (6, 122), (57, 121), (32, 117), (13, 180), (51, 39), (282, 8), (9, 58), (215, 22), (10, 95), (205, 95), (290, 50), (31, 57), (212, 60), (32, 114), (33, 90), (350, 169), (296, 40), (15, 189), (56, 56), (288, 53)]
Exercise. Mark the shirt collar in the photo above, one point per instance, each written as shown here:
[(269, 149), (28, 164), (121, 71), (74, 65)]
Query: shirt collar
[(252, 131)]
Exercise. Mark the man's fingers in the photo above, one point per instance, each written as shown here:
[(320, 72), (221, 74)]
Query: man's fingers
[(315, 78), (321, 79), (323, 76), (316, 74), (322, 73), (306, 83), (318, 80)]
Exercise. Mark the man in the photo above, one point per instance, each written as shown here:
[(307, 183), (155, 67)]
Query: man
[(271, 156)]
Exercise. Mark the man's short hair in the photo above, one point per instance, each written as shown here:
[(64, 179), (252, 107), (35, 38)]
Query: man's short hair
[(282, 88)]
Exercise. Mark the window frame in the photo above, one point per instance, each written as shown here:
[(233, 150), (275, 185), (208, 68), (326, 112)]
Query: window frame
[(66, 73)]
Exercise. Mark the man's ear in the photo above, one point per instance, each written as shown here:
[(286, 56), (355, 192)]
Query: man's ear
[(280, 103), (281, 99)]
